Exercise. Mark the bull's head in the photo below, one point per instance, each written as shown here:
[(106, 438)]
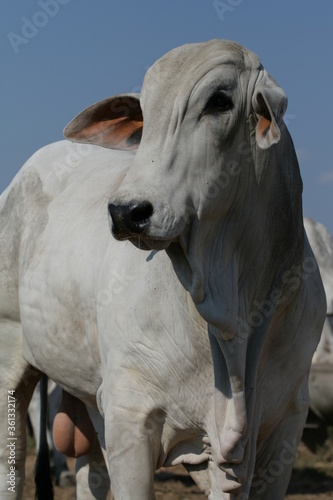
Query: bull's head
[(207, 185), (203, 112)]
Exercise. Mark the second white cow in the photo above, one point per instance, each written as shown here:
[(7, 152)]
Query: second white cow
[(321, 374)]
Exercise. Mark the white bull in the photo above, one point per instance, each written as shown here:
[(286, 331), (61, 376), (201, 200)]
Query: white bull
[(198, 354)]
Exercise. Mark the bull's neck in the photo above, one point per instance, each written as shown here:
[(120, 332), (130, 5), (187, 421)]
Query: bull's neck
[(227, 263)]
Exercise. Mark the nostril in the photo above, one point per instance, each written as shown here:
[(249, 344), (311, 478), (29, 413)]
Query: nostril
[(129, 219), (112, 209), (141, 212)]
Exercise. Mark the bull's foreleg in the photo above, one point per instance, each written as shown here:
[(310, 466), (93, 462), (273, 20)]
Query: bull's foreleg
[(276, 457), (18, 382), (131, 454)]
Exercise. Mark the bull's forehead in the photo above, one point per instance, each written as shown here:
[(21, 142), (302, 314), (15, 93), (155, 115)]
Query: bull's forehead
[(222, 51), (179, 71)]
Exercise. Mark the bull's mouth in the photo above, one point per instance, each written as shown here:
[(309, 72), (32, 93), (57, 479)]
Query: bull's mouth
[(142, 241)]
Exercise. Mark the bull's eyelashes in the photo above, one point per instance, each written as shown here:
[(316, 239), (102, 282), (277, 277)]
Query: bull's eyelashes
[(219, 102)]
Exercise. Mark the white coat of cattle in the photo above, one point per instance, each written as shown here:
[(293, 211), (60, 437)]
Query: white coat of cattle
[(321, 374), (322, 244), (197, 350)]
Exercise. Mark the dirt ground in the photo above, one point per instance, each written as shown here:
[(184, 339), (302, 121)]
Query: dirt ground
[(312, 479)]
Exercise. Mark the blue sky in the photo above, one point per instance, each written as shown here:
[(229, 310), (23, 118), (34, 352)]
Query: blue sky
[(60, 56)]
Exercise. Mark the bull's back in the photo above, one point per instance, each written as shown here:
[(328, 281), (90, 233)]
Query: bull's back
[(23, 205), (12, 209), (24, 208)]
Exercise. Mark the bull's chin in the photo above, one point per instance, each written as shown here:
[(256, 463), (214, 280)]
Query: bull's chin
[(143, 242), (149, 244)]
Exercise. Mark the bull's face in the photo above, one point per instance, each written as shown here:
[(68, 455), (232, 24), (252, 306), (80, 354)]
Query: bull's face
[(186, 128), (190, 121), (191, 130)]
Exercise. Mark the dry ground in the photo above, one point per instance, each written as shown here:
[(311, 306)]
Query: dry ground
[(312, 479)]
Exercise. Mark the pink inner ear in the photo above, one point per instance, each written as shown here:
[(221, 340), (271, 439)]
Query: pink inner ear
[(115, 133), (267, 132), (263, 127), (114, 123)]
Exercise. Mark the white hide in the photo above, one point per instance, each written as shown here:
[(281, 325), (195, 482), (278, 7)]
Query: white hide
[(198, 354), (320, 381), (322, 245)]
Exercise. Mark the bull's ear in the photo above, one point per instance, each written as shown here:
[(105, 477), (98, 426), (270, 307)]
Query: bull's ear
[(114, 123), (269, 103)]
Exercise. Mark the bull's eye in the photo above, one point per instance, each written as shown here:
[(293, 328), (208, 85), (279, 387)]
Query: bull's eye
[(218, 102)]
